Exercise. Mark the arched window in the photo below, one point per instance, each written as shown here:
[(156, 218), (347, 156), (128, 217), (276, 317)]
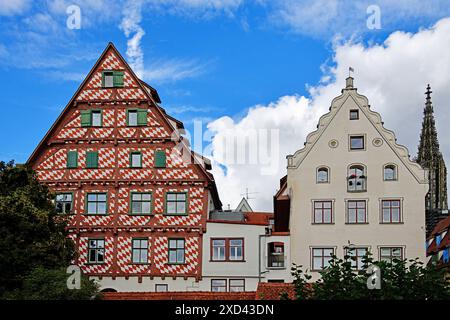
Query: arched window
[(323, 175), (356, 179), (390, 172)]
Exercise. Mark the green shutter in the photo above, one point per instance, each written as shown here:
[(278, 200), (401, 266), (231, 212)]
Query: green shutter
[(160, 159), (142, 117), (85, 118), (91, 159), (72, 159), (118, 79)]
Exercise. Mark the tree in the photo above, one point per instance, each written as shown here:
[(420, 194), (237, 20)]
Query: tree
[(50, 284), (400, 280), (32, 237)]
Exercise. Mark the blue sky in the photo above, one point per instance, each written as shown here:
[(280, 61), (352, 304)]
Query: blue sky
[(207, 59)]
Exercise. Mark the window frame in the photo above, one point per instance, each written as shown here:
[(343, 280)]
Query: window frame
[(356, 179), (236, 286), (394, 167), (169, 249), (357, 267), (353, 111), (347, 211), (221, 286), (89, 248), (312, 256), (402, 254), (186, 203), (132, 153), (314, 201), (71, 202), (87, 204), (139, 249), (323, 168), (400, 207), (114, 74), (227, 248), (128, 118), (354, 136), (165, 285), (131, 203)]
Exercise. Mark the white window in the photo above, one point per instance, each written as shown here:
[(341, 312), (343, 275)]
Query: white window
[(390, 172), (218, 249), (161, 287), (96, 203), (390, 254), (96, 250), (237, 285), (176, 251), (356, 180), (132, 118), (136, 160), (140, 250), (96, 118), (356, 211), (322, 175), (236, 249), (391, 211), (219, 285), (176, 203), (357, 143), (323, 212), (356, 257), (141, 203), (108, 79), (63, 202), (321, 258)]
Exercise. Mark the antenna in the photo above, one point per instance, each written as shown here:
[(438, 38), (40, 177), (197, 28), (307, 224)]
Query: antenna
[(247, 194)]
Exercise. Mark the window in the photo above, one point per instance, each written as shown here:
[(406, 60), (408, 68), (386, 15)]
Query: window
[(160, 159), (356, 180), (96, 118), (219, 285), (136, 160), (91, 118), (92, 159), (161, 287), (176, 251), (176, 203), (63, 202), (323, 212), (356, 257), (96, 203), (139, 251), (389, 254), (356, 142), (391, 212), (390, 172), (218, 249), (237, 285), (112, 79), (72, 159), (141, 203), (354, 114), (322, 175), (236, 249), (356, 211), (227, 249), (137, 117), (321, 258), (276, 255), (96, 250)]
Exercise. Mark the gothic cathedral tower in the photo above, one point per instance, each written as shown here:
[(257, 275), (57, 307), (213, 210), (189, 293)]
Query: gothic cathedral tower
[(429, 156)]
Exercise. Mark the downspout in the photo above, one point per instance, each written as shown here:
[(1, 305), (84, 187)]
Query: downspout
[(259, 256)]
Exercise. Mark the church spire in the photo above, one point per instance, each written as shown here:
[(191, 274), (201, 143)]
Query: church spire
[(429, 156)]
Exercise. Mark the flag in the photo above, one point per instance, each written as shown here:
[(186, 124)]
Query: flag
[(350, 69)]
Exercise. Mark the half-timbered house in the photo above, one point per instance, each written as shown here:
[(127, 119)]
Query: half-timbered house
[(136, 197)]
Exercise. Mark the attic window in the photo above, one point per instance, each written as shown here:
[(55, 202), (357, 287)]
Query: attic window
[(112, 79), (354, 114)]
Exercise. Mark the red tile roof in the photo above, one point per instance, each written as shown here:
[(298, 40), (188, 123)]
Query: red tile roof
[(178, 295), (273, 291)]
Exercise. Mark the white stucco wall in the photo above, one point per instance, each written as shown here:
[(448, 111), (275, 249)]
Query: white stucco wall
[(303, 189)]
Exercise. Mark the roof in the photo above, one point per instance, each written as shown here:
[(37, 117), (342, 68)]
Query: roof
[(244, 206), (249, 218)]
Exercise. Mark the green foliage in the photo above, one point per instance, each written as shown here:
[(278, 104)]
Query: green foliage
[(301, 279), (33, 240), (50, 284), (400, 280)]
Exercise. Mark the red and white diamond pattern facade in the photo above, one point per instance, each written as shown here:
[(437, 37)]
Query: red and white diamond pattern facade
[(114, 141)]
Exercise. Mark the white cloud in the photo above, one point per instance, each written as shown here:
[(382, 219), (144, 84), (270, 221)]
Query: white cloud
[(160, 70), (131, 25), (195, 8), (325, 18), (393, 75), (13, 7)]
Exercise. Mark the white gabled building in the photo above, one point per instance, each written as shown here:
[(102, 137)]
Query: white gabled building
[(353, 189)]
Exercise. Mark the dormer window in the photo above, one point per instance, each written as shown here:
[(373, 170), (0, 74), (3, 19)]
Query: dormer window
[(112, 79)]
